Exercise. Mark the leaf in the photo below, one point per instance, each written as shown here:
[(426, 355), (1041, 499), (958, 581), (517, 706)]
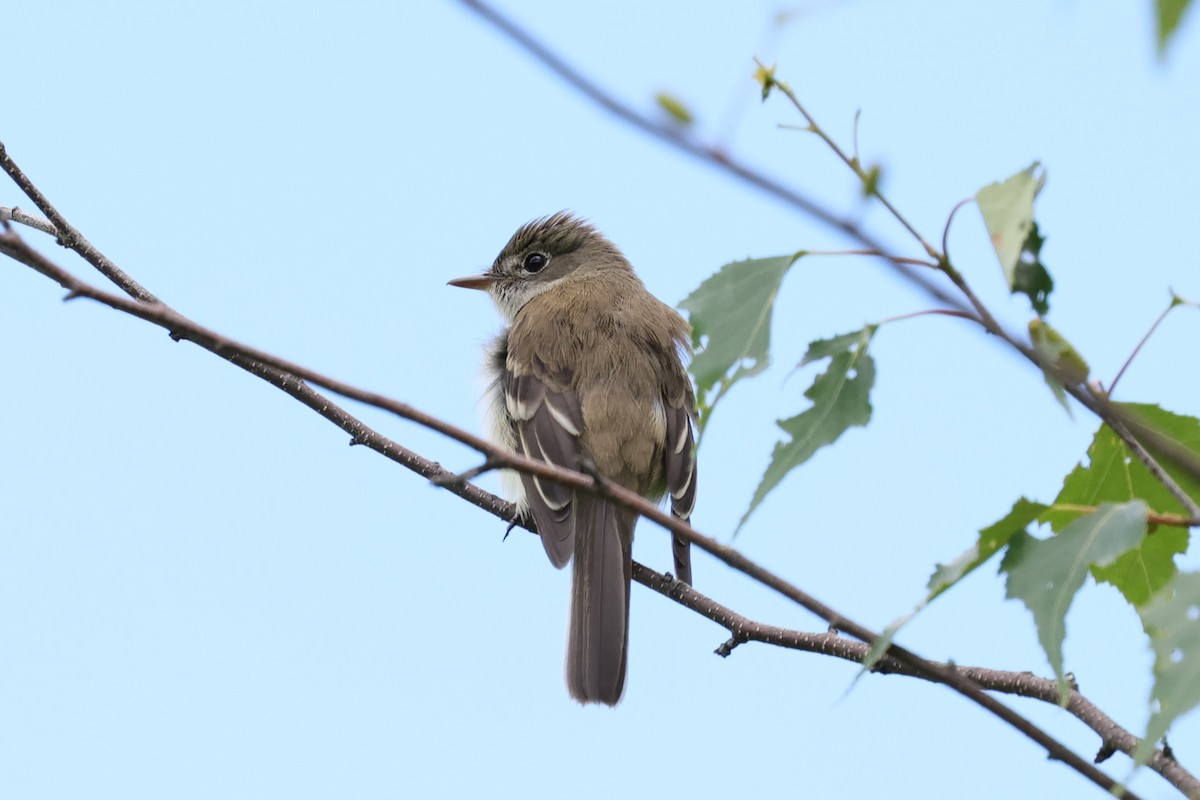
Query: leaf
[(730, 315), (871, 179), (766, 78), (1168, 14), (840, 399), (1047, 573), (1180, 431), (675, 109), (1172, 618), (1007, 210), (1058, 353), (991, 540), (1114, 474), (1031, 277)]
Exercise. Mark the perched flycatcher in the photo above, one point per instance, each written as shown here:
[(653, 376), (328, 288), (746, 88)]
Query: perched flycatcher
[(590, 371)]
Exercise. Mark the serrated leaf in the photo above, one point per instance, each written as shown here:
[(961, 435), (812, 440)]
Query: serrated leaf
[(1168, 13), (1007, 209), (676, 110), (840, 400), (730, 313), (1181, 431), (991, 540), (1046, 574), (1113, 474), (1172, 619)]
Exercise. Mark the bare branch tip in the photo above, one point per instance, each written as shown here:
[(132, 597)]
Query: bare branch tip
[(730, 645), (453, 479)]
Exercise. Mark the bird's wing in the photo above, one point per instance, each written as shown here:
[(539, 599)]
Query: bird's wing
[(548, 416), (680, 457)]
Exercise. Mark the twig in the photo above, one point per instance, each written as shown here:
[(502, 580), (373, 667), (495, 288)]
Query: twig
[(914, 262), (949, 221), (67, 235), (853, 163), (1116, 379)]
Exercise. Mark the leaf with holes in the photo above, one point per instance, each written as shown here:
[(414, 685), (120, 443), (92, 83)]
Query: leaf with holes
[(730, 315), (840, 400), (1172, 618), (1047, 573), (1007, 209)]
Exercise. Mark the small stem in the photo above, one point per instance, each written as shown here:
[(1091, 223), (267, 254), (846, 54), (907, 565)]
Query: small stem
[(1175, 301), (1153, 517), (946, 230), (916, 262), (855, 166), (945, 312)]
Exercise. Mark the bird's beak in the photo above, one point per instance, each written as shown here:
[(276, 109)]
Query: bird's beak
[(475, 281)]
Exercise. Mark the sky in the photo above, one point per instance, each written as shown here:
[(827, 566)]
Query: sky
[(204, 592)]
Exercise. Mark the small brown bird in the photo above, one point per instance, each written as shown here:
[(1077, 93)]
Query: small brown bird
[(590, 371)]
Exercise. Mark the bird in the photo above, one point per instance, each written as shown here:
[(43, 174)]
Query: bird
[(590, 372)]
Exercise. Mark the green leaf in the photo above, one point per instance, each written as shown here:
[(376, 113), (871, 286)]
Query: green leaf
[(730, 315), (1007, 210), (991, 540), (676, 110), (871, 179), (766, 78), (1114, 474), (1172, 618), (1030, 277), (1047, 573), (1183, 432), (1168, 13), (1058, 353), (840, 399)]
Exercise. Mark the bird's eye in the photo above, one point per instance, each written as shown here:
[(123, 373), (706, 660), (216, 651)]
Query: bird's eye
[(535, 262)]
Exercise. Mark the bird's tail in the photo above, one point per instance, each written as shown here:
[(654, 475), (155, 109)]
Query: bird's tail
[(597, 641)]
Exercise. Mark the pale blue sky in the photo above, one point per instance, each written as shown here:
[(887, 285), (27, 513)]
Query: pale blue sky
[(205, 593)]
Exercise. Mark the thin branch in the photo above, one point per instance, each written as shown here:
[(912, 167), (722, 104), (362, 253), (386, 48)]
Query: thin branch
[(1174, 302), (949, 222), (940, 312), (914, 262), (67, 235), (853, 163), (30, 220)]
